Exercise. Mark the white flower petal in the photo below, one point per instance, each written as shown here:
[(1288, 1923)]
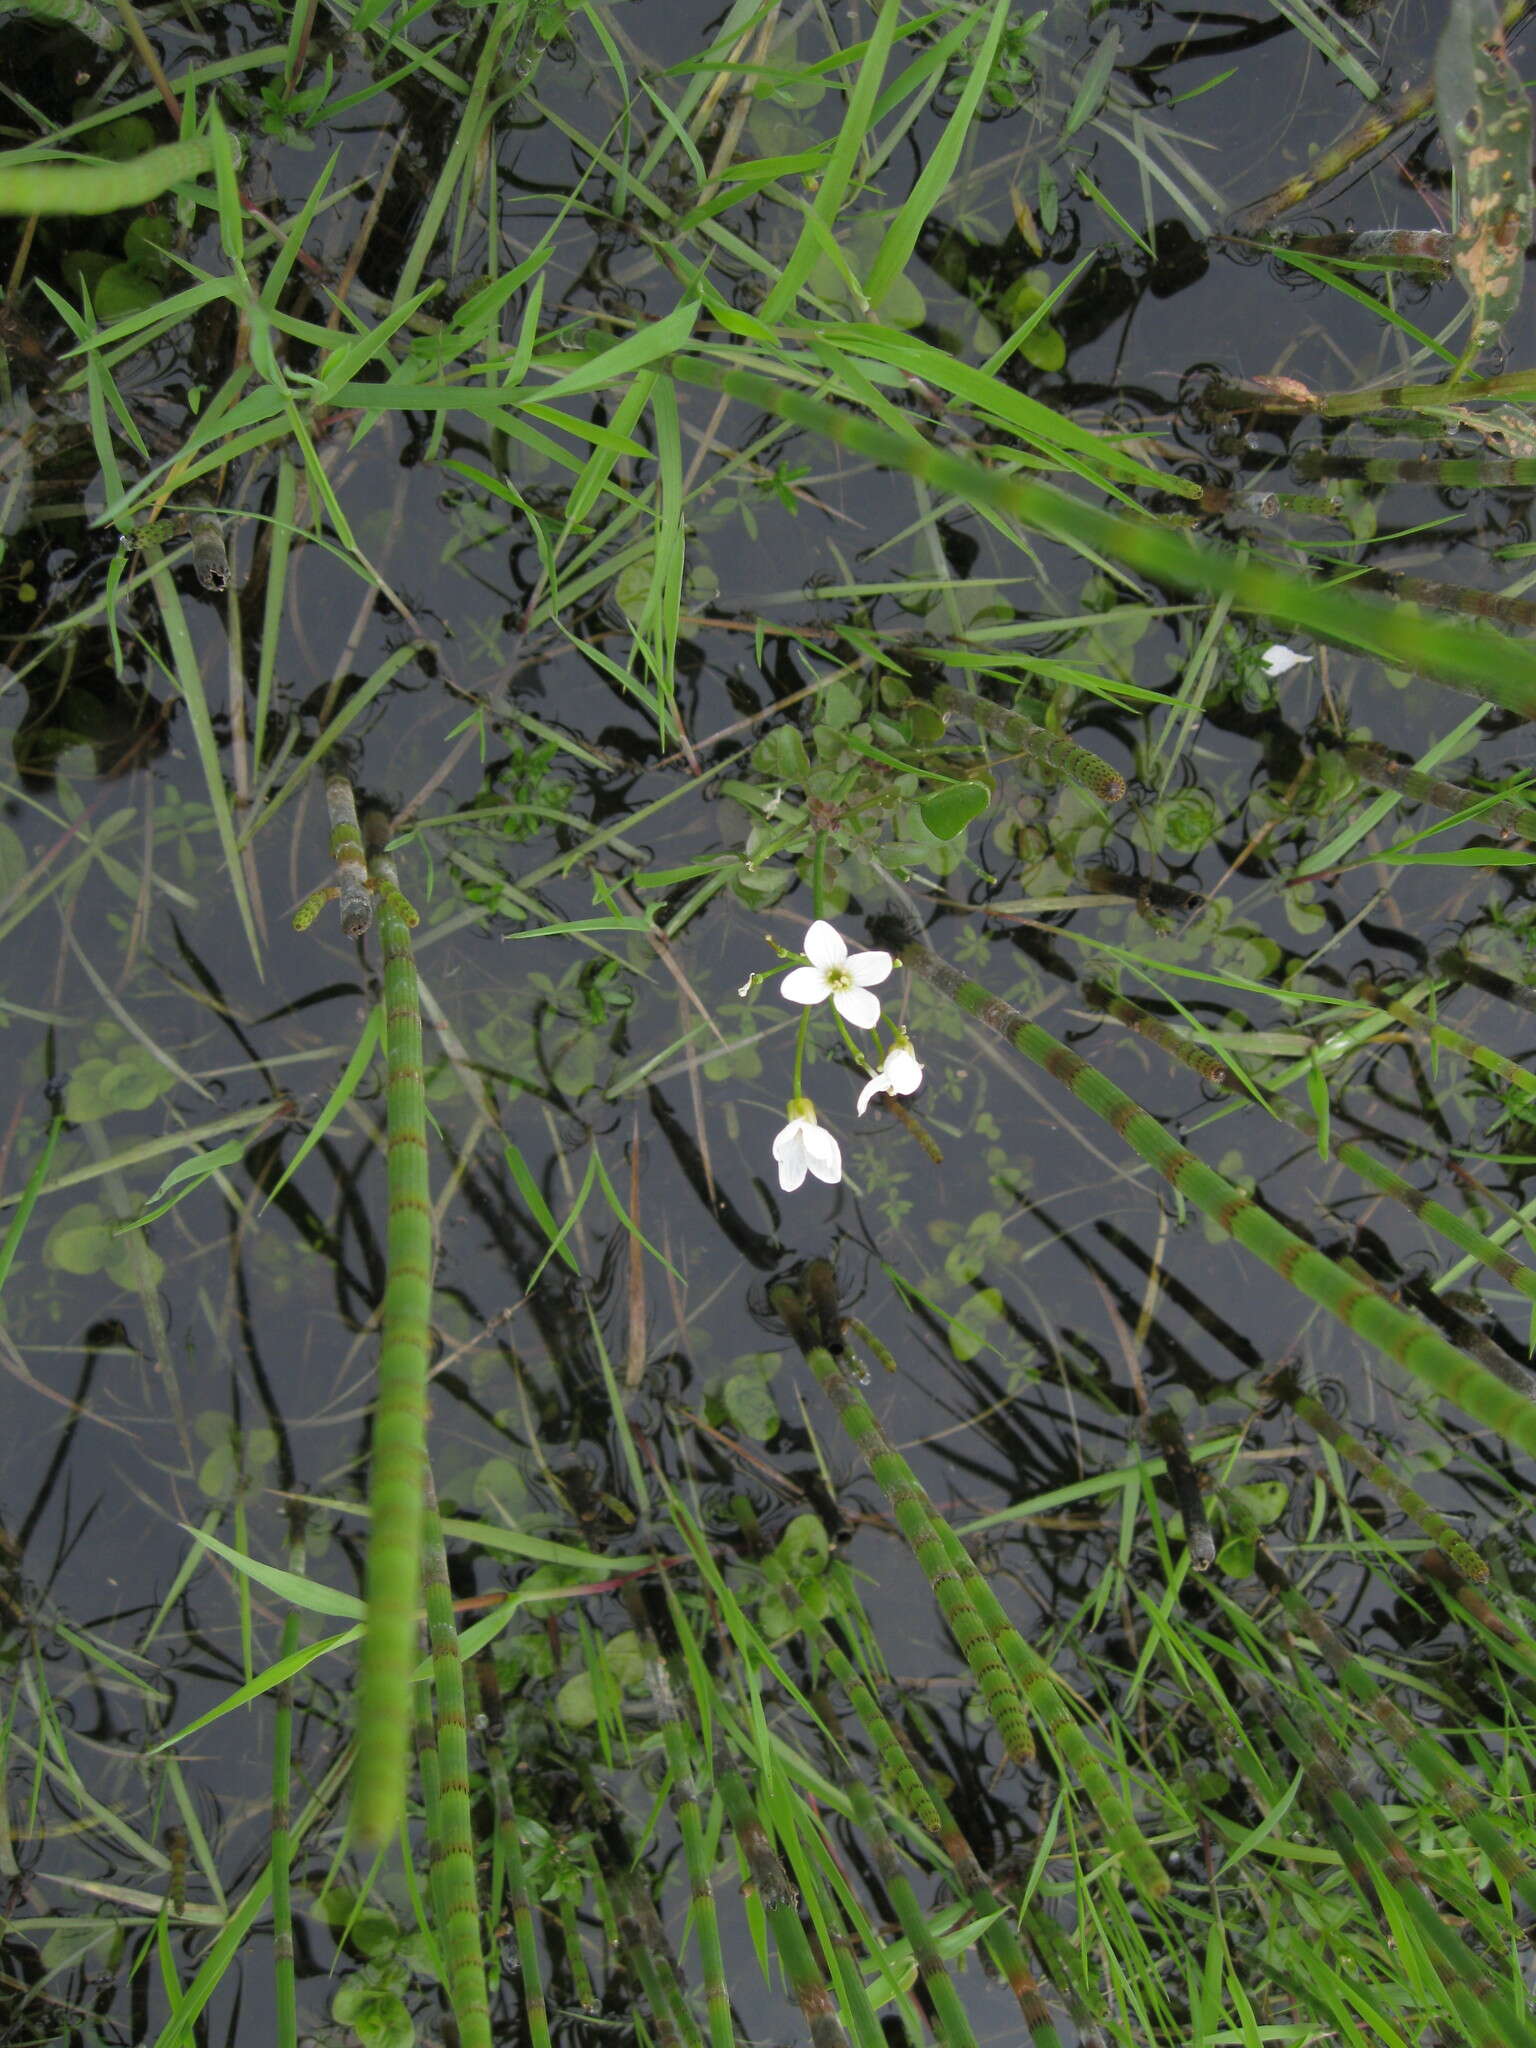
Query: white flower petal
[(805, 985), (875, 1085), (824, 946), (823, 1154), (860, 1006), (902, 1070), (746, 986), (869, 969), (792, 1170), (790, 1139)]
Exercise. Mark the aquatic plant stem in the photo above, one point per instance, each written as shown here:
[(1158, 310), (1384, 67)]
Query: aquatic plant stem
[(1361, 1307), (1495, 667), (454, 1861), (777, 1898), (393, 1576), (284, 1990)]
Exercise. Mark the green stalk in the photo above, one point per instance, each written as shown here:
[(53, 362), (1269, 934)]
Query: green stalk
[(1493, 666), (895, 1764), (350, 887), (1453, 1041), (285, 1998), (776, 1895), (393, 1577), (1406, 1498), (951, 2027), (1159, 1032), (1362, 1308), (535, 2006), (1036, 742), (1167, 1432), (1378, 1860), (701, 1891), (454, 1861), (1373, 764), (920, 1524), (81, 15), (1433, 1214), (952, 1572), (1461, 1797), (1000, 1938)]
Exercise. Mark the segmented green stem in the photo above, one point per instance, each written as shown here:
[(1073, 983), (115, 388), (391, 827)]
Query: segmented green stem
[(1198, 1058), (922, 1527), (284, 1990), (1462, 1798), (1362, 1308), (701, 1890), (351, 886), (1433, 1214), (896, 1766), (535, 2005), (453, 1853), (80, 15), (777, 1897), (646, 1949), (1406, 1498), (952, 2028), (1376, 1857), (1493, 666), (1459, 965), (1454, 1041), (1373, 764), (1460, 472), (210, 558), (1000, 1939), (393, 1577), (1167, 1432), (1037, 742)]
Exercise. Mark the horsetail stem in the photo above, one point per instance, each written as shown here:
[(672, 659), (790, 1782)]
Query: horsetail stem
[(347, 853), (1361, 1307), (1417, 1745), (1037, 742), (1407, 1498), (453, 1862), (535, 2005), (1453, 1041), (393, 1576), (1198, 1058), (999, 1937), (701, 1890), (284, 1989), (777, 1897), (1493, 666), (1167, 1432), (1373, 764), (1433, 1214), (896, 1766), (919, 1524), (951, 2027)]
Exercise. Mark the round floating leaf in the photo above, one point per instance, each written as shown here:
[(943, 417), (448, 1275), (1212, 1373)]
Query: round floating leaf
[(750, 1406), (804, 1547)]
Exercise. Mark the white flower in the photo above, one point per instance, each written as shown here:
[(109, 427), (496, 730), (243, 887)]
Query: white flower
[(1279, 661), (747, 986), (804, 1147), (900, 1073), (846, 977)]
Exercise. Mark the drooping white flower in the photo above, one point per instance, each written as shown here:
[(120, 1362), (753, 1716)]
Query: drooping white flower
[(747, 986), (804, 1147), (846, 977), (1279, 661), (899, 1073)]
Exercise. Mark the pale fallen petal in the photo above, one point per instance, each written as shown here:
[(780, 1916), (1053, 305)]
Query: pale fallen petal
[(1279, 660), (869, 969), (805, 985), (859, 1006), (824, 945)]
